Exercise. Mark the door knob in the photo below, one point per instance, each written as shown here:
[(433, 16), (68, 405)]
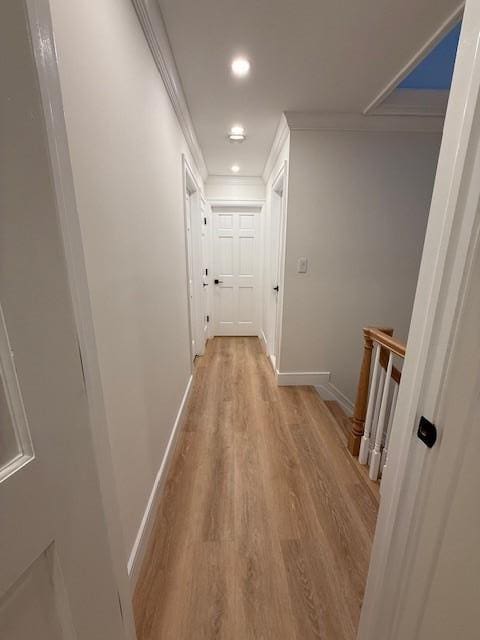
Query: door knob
[(217, 281), (276, 288)]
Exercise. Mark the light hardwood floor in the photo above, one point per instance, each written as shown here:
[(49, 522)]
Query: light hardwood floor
[(266, 523)]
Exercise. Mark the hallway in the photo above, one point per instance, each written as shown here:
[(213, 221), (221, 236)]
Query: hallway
[(265, 526)]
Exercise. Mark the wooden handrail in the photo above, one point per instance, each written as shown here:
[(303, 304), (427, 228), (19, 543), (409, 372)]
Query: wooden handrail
[(387, 341), (384, 337)]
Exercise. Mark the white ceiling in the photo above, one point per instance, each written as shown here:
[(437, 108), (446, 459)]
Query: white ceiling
[(306, 55)]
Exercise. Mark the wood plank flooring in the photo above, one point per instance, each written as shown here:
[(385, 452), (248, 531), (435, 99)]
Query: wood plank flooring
[(266, 523)]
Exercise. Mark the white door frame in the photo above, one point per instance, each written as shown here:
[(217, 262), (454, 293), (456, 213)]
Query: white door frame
[(450, 245), (38, 13), (280, 183), (205, 268), (208, 209), (193, 258)]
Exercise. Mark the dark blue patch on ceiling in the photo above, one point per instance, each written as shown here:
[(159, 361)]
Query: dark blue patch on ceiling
[(436, 70)]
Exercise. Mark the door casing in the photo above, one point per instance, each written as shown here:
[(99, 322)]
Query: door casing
[(275, 266), (195, 210)]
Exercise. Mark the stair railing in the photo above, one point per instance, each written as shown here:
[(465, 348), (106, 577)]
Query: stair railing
[(376, 400)]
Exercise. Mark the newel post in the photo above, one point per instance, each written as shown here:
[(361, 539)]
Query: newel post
[(360, 411)]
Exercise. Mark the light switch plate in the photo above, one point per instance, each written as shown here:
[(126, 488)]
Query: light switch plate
[(302, 265)]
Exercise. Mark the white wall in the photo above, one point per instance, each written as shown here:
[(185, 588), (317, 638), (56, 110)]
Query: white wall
[(357, 209), (126, 147), (234, 188)]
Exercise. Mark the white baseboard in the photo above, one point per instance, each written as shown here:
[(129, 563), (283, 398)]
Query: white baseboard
[(297, 378), (329, 391), (263, 340), (273, 362), (140, 545), (270, 356)]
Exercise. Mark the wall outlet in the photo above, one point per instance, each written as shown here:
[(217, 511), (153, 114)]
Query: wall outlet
[(302, 265)]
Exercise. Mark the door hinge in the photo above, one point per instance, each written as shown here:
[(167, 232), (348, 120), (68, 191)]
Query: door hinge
[(206, 272), (208, 318), (204, 220)]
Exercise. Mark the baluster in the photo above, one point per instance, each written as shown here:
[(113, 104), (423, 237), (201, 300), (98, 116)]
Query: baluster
[(360, 411), (365, 441), (393, 406), (378, 404), (377, 450)]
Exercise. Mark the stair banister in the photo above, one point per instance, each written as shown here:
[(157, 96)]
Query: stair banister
[(374, 408), (360, 411), (377, 450)]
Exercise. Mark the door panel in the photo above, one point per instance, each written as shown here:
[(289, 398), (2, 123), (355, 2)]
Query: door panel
[(246, 304), (35, 606), (236, 266), (55, 561), (440, 592), (15, 439), (246, 250)]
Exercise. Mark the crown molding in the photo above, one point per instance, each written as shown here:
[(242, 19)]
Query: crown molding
[(155, 32), (414, 102), (322, 121), (449, 23), (279, 140), (235, 180)]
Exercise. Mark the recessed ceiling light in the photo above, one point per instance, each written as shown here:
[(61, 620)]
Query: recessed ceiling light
[(240, 67), (237, 133), (235, 168)]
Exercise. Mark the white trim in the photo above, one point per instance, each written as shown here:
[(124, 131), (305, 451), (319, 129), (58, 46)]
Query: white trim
[(43, 44), (263, 341), (278, 183), (414, 102), (449, 23), (301, 378), (216, 203), (273, 362), (329, 391), (139, 548), (235, 180), (279, 140), (323, 121), (193, 195), (446, 260), (282, 252), (15, 405), (153, 26)]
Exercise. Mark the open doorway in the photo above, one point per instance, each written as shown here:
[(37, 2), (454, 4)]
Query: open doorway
[(421, 89), (423, 558)]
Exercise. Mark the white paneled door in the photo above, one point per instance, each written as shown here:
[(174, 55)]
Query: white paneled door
[(56, 573), (236, 257)]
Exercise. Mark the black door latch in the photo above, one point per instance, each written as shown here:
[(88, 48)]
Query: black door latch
[(427, 432)]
